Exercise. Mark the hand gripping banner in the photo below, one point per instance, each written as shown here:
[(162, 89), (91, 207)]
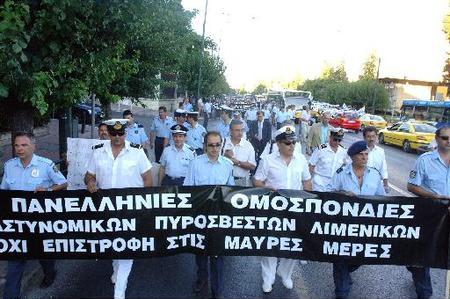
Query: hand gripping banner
[(222, 220)]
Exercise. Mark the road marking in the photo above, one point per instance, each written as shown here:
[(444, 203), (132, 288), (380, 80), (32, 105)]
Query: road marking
[(404, 193)]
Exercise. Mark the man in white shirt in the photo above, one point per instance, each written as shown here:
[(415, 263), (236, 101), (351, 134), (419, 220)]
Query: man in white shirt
[(240, 152), (282, 170), (207, 109), (118, 164), (377, 158), (326, 160)]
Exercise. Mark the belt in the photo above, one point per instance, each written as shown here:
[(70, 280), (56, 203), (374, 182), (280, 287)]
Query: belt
[(173, 178), (239, 177)]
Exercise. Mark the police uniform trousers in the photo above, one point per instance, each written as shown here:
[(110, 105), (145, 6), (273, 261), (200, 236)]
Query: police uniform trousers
[(15, 273), (121, 271), (342, 279), (269, 268), (205, 119), (159, 148), (422, 281), (170, 181), (216, 275)]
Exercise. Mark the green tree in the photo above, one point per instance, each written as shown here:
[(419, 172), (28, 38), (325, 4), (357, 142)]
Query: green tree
[(369, 70), (260, 88), (334, 73)]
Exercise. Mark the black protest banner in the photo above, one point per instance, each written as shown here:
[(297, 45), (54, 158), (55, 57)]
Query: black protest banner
[(223, 220)]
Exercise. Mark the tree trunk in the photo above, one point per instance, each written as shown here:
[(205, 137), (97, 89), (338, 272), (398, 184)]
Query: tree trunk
[(22, 119)]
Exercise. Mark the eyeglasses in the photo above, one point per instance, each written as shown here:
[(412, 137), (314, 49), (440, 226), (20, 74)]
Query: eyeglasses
[(214, 144), (288, 143), (445, 138), (114, 134)]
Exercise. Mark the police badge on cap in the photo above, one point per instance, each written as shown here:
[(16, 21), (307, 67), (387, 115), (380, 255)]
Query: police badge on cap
[(179, 129), (116, 125), (285, 133)]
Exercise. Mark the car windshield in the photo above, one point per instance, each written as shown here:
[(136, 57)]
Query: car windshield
[(377, 118), (424, 128)]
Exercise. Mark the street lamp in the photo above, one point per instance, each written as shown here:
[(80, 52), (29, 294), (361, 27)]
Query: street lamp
[(201, 57)]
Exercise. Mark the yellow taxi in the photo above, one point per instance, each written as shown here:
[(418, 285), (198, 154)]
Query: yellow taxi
[(409, 135), (372, 120)]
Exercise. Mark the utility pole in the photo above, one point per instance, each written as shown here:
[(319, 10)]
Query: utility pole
[(202, 53)]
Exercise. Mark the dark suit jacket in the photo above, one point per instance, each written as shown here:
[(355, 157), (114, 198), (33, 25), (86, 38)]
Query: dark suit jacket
[(266, 131)]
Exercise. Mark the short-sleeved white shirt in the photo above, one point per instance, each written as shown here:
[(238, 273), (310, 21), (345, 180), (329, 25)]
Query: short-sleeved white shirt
[(244, 152), (326, 162), (274, 172), (122, 172), (377, 160)]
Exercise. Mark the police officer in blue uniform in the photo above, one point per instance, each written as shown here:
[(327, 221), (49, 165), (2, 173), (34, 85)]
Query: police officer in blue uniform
[(135, 133), (29, 172), (160, 131), (180, 116), (354, 179), (431, 178), (175, 158), (225, 119), (196, 133), (210, 169)]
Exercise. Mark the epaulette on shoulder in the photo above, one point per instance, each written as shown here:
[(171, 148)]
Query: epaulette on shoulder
[(135, 145), (140, 126), (97, 146), (45, 160), (323, 145), (342, 146), (339, 170), (189, 147)]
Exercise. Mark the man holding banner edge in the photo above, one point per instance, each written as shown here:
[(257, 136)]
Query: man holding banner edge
[(431, 178)]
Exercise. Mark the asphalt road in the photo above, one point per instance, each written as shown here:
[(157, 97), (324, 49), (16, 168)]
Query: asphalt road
[(172, 277)]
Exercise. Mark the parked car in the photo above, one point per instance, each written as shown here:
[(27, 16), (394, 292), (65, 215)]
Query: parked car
[(409, 135), (83, 112), (372, 120), (347, 121), (427, 147)]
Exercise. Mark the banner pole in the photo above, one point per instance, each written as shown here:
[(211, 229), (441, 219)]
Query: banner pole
[(447, 284)]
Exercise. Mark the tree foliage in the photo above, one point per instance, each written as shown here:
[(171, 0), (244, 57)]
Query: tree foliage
[(369, 70), (334, 73), (260, 88), (56, 52)]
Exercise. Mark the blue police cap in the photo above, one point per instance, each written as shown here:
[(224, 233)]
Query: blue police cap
[(357, 147)]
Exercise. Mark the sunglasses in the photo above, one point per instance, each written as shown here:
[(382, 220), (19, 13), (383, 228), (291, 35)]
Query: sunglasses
[(445, 138), (214, 144), (288, 142), (337, 139), (114, 134)]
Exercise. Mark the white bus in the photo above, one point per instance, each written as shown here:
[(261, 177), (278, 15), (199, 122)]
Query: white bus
[(286, 97)]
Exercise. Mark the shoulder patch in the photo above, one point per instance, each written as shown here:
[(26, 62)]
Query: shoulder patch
[(323, 145), (135, 145), (140, 126), (412, 174), (97, 146), (339, 170)]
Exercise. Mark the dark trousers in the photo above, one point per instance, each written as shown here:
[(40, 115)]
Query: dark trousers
[(259, 146), (342, 279), (169, 181), (205, 120), (216, 268), (159, 148), (15, 273), (422, 281)]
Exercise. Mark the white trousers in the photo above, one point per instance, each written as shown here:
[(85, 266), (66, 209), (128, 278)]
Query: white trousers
[(269, 269), (122, 269)]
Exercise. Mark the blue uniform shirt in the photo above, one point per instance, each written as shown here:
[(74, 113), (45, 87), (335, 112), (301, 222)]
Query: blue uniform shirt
[(41, 172), (136, 134), (324, 133), (345, 180), (188, 107), (162, 127), (224, 129), (176, 162), (194, 137), (201, 171), (431, 173)]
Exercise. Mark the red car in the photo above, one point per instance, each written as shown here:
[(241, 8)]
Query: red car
[(346, 121)]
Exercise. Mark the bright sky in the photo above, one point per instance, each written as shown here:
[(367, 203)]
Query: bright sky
[(280, 39)]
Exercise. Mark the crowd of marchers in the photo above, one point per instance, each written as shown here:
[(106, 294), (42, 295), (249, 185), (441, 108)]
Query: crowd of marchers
[(265, 146)]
